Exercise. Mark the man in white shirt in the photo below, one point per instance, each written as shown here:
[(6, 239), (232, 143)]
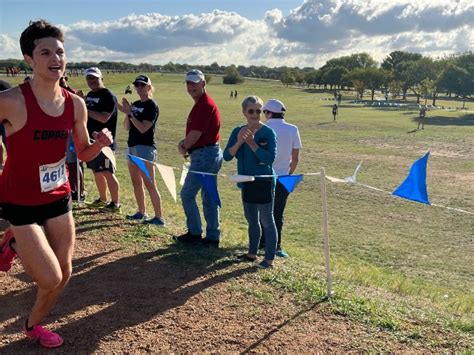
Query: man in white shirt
[(286, 161)]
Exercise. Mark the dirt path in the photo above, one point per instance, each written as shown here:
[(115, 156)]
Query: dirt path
[(121, 300)]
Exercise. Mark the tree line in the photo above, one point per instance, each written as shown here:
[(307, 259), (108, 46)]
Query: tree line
[(399, 73)]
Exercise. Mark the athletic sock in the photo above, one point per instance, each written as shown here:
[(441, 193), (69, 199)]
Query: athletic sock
[(28, 329)]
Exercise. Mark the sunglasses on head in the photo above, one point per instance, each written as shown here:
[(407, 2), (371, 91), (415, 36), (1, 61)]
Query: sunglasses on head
[(139, 85), (252, 111)]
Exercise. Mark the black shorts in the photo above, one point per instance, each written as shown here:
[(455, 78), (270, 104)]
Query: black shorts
[(22, 215), (101, 163)]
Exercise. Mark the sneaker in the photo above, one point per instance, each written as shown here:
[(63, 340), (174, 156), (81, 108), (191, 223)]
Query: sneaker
[(246, 257), (7, 254), (98, 203), (156, 221), (210, 242), (45, 337), (265, 265), (136, 216), (188, 238), (281, 253), (112, 207)]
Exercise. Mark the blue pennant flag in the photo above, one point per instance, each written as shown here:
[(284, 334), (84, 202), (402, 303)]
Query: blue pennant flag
[(141, 165), (290, 181), (414, 186), (209, 184)]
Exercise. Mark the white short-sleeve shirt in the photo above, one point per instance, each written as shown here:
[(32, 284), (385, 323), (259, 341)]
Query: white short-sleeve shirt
[(288, 138)]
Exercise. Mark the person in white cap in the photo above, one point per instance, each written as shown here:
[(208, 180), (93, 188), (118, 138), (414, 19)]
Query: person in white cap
[(286, 161), (201, 144), (102, 113), (35, 194)]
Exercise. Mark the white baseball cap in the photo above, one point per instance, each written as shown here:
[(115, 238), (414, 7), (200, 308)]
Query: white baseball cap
[(94, 71), (195, 75), (275, 106)]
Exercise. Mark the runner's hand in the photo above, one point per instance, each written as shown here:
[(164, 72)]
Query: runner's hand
[(104, 137)]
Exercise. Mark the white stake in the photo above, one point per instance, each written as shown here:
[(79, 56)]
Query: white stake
[(78, 182), (326, 232)]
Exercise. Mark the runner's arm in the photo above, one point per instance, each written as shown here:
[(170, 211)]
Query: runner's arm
[(87, 151)]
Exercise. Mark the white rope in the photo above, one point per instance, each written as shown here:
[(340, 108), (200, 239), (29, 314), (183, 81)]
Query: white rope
[(330, 178)]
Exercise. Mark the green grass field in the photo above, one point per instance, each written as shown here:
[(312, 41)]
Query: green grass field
[(400, 265)]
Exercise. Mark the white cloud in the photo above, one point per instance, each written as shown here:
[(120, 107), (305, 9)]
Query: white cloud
[(311, 34), (154, 32), (10, 47), (431, 27)]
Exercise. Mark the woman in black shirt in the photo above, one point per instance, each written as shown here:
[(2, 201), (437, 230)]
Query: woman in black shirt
[(140, 122)]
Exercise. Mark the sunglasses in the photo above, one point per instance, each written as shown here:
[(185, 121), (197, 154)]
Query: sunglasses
[(139, 85), (252, 111)]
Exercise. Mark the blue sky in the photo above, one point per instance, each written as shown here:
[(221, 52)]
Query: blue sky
[(15, 14), (260, 32)]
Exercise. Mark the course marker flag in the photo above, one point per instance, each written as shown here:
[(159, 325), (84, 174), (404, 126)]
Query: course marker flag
[(141, 165), (184, 173), (167, 174), (290, 181), (241, 178), (209, 184), (353, 178), (414, 186)]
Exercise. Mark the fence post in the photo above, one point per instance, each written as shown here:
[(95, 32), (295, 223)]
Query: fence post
[(325, 224), (80, 203)]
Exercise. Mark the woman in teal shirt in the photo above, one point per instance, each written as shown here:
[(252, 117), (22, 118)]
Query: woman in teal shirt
[(254, 146)]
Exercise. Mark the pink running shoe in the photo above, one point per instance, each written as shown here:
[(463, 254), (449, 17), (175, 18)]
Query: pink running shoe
[(7, 254), (45, 337)]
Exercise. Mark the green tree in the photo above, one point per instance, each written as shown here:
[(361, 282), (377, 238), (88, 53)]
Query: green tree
[(458, 81), (232, 75), (395, 58), (287, 77), (351, 62), (426, 87), (334, 76), (395, 88), (373, 78), (169, 67), (359, 87), (299, 77)]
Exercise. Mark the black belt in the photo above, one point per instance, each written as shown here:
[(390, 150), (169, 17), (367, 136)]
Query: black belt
[(190, 150)]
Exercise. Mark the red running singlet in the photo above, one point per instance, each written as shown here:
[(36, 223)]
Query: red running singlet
[(35, 170)]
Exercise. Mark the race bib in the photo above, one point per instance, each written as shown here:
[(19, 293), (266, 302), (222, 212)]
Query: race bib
[(52, 175)]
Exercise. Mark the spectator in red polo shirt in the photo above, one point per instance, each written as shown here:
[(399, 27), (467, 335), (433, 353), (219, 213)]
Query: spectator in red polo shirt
[(201, 144)]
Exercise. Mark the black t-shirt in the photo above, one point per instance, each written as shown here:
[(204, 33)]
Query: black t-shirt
[(102, 101), (143, 111)]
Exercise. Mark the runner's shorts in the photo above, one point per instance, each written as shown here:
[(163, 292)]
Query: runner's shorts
[(22, 215)]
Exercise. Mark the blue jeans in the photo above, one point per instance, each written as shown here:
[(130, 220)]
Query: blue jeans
[(147, 152), (209, 160), (281, 195), (257, 214)]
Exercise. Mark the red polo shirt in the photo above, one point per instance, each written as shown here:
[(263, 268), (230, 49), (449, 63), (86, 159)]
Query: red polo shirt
[(204, 117)]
